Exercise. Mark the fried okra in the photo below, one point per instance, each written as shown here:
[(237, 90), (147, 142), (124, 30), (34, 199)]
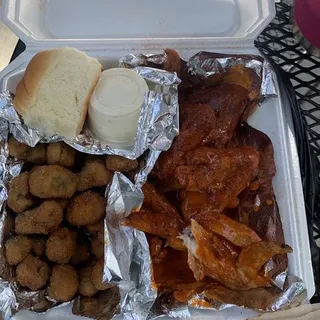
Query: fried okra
[(33, 273), (19, 197), (63, 202), (97, 274), (118, 163), (17, 249), (64, 283), (86, 208), (21, 151), (93, 174), (97, 238), (40, 220), (52, 181), (86, 286), (81, 254), (61, 154), (38, 246), (61, 246)]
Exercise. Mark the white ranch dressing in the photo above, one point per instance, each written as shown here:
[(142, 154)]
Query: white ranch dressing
[(115, 106)]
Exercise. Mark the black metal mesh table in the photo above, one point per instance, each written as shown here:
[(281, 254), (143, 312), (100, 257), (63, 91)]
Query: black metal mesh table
[(300, 74)]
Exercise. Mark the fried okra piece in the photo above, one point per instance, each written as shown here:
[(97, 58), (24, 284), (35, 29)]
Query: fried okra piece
[(64, 283), (97, 276), (52, 181), (21, 151), (93, 174), (61, 154), (33, 273), (40, 220), (19, 197), (81, 254), (97, 240), (118, 163), (38, 246), (96, 228), (63, 202), (17, 249), (86, 208), (86, 286), (61, 246)]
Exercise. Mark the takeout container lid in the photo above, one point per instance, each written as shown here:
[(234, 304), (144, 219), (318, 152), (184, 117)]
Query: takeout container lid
[(139, 24)]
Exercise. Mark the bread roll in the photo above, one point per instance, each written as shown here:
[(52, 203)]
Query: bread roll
[(54, 93)]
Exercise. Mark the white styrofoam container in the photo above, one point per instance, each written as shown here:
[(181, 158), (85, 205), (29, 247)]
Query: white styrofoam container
[(109, 29)]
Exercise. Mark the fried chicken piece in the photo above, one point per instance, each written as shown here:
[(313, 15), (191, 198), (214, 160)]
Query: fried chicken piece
[(229, 102), (61, 154), (209, 257), (195, 203), (61, 246), (222, 173), (81, 254), (38, 246), (40, 220), (33, 273), (17, 248), (173, 270), (97, 276), (52, 181), (93, 174), (156, 201), (196, 122), (86, 286), (86, 208), (19, 197), (158, 223), (245, 77), (237, 233), (64, 283), (118, 163), (21, 151), (157, 250), (263, 217)]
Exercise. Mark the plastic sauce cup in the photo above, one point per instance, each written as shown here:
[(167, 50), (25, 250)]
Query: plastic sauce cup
[(115, 106)]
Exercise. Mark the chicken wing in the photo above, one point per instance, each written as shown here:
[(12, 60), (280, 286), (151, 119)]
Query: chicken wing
[(208, 257), (192, 132), (157, 223), (237, 233), (229, 101), (223, 174)]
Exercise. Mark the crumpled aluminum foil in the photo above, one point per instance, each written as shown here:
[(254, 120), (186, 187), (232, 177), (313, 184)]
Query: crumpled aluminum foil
[(127, 257), (158, 123)]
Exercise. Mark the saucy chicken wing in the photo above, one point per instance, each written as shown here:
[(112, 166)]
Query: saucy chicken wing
[(208, 257), (222, 173)]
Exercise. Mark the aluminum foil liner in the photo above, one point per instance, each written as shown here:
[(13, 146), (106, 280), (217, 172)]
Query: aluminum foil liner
[(157, 126), (127, 258), (207, 64)]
